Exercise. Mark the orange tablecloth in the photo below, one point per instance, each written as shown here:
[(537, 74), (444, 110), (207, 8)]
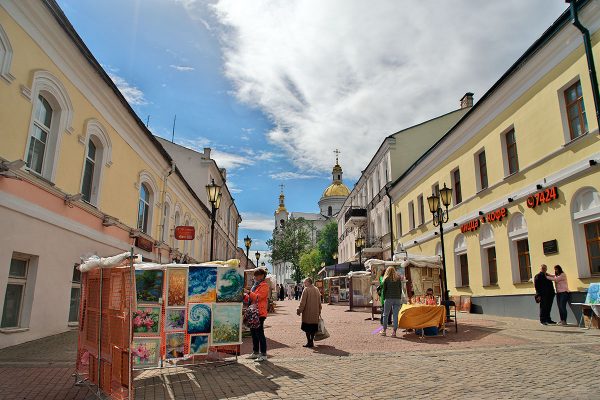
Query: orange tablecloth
[(415, 316)]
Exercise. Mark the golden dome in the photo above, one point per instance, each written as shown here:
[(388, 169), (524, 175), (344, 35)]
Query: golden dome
[(281, 208), (336, 189)]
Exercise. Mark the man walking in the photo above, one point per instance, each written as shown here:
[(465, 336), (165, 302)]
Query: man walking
[(544, 292)]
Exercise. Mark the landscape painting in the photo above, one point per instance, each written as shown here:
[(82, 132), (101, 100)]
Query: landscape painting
[(145, 352), (149, 285), (230, 284), (176, 286), (146, 320), (199, 318), (174, 319), (227, 324), (202, 284), (199, 344), (175, 345)]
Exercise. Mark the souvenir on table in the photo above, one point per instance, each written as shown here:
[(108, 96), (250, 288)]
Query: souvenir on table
[(199, 344), (146, 320), (230, 284), (149, 285), (176, 286), (199, 318), (227, 324), (174, 319), (174, 345), (202, 283), (593, 294), (145, 352)]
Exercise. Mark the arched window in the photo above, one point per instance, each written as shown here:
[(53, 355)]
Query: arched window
[(519, 249), (489, 270), (38, 142), (586, 229), (144, 208), (329, 211), (6, 53), (461, 262), (97, 156)]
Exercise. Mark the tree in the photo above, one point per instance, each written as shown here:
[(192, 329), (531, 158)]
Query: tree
[(310, 262), (288, 243), (328, 242)]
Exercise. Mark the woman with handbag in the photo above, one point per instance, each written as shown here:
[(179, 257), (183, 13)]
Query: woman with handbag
[(257, 298), (310, 308), (392, 288), (562, 292)]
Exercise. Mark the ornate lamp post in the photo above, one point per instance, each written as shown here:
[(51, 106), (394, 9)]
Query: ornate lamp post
[(335, 259), (247, 243), (359, 243), (257, 255), (440, 217), (213, 192)]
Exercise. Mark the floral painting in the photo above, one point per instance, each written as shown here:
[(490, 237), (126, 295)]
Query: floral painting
[(175, 319), (176, 286), (199, 318), (227, 324), (230, 284), (146, 320), (145, 352), (593, 294), (149, 285), (199, 344), (174, 343), (202, 283)]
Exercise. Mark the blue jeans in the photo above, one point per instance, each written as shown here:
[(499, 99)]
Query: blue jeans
[(561, 301), (391, 305)]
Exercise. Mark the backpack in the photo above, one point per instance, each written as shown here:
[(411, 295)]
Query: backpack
[(252, 317)]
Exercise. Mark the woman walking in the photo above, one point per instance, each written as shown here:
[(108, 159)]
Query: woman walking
[(259, 295), (392, 287), (310, 308), (562, 292)]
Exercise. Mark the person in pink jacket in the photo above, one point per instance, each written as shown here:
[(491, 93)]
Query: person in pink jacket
[(562, 292)]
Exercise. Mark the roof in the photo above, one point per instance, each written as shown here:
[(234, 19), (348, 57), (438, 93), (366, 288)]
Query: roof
[(336, 189)]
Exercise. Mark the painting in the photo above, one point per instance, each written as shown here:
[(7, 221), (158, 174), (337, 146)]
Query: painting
[(202, 285), (149, 285), (145, 352), (174, 319), (146, 320), (199, 344), (174, 342), (593, 294), (199, 318), (176, 286), (227, 324), (230, 284)]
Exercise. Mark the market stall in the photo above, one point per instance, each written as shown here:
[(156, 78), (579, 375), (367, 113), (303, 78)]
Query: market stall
[(337, 289), (360, 289)]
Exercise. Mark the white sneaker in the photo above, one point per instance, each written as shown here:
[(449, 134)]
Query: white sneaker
[(253, 356), (261, 358)]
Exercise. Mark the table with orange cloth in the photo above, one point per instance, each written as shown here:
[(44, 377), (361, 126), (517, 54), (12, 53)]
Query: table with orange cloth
[(417, 316)]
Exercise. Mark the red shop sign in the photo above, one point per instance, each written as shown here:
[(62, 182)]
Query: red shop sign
[(543, 196), (474, 224), (185, 233), (144, 244)]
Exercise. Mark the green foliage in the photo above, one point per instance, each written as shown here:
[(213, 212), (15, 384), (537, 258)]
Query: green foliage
[(328, 242), (289, 242), (310, 262)]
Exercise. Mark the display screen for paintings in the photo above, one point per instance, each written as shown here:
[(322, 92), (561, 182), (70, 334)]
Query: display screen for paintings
[(422, 279)]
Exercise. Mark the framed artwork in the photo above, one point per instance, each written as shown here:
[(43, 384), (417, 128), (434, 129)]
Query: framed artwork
[(465, 304), (175, 319), (202, 284), (593, 294), (174, 345), (199, 318), (230, 285), (227, 324), (199, 344), (335, 282), (146, 320), (145, 352), (149, 285), (176, 286)]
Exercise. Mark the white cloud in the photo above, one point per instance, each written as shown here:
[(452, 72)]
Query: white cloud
[(257, 222), (289, 175), (224, 159), (348, 73), (183, 68), (132, 94)]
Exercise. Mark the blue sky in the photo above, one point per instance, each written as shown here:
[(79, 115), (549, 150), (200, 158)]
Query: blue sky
[(273, 87)]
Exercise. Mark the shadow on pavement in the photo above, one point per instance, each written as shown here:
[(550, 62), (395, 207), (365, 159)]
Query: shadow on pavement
[(330, 351), (466, 333)]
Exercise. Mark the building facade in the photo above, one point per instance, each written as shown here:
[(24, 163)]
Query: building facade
[(523, 166), (80, 175)]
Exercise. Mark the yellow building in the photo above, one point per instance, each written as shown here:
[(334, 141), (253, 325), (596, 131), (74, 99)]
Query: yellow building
[(80, 174), (522, 164)]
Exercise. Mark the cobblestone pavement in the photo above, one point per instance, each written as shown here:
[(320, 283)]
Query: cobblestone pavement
[(490, 357)]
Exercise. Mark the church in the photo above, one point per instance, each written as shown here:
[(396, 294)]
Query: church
[(330, 204)]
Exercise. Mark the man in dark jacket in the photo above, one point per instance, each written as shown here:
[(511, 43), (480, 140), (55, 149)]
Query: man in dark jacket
[(544, 291)]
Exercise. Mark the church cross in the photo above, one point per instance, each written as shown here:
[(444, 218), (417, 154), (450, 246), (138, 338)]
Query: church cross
[(337, 154), (281, 187)]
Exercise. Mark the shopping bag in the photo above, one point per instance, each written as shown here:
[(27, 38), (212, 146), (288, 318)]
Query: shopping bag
[(252, 316), (322, 332)]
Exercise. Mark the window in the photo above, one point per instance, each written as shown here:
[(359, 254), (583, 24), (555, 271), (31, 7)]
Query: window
[(88, 171), (575, 110), (143, 208), (464, 269), (524, 262), (592, 240), (482, 169), (329, 211), (421, 209), (512, 158), (97, 156), (15, 293), (435, 189), (456, 186), (586, 219), (6, 53), (42, 121), (399, 224), (75, 295), (411, 215), (489, 273), (461, 262), (492, 267)]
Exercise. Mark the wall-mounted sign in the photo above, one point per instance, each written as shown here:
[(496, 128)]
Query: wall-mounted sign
[(493, 216), (543, 196), (185, 233), (144, 244), (550, 247)]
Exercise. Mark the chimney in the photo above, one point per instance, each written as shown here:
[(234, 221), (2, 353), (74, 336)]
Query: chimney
[(207, 153), (467, 100)]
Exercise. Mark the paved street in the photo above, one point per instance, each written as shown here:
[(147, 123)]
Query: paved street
[(501, 358)]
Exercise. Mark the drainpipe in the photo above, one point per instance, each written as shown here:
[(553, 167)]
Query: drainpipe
[(587, 42), (163, 200), (390, 216)]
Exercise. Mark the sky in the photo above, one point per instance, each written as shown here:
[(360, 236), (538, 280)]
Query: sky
[(274, 87)]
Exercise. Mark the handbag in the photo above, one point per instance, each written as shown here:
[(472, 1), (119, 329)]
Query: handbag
[(322, 332), (252, 316)]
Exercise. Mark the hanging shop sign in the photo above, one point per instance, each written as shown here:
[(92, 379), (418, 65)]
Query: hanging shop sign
[(185, 233), (541, 197), (144, 244), (493, 216)]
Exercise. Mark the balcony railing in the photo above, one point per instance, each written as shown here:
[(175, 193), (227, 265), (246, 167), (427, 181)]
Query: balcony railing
[(355, 213)]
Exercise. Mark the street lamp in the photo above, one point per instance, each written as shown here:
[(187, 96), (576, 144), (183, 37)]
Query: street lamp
[(247, 243), (257, 255), (335, 258), (360, 244), (213, 192), (440, 217)]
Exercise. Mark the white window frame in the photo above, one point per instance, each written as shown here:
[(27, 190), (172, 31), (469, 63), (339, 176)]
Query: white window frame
[(6, 54), (486, 241), (96, 132), (583, 214), (27, 295), (411, 215), (18, 281), (399, 232), (514, 235), (452, 182), (75, 285), (507, 172), (460, 248), (563, 109), (421, 209), (478, 170)]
